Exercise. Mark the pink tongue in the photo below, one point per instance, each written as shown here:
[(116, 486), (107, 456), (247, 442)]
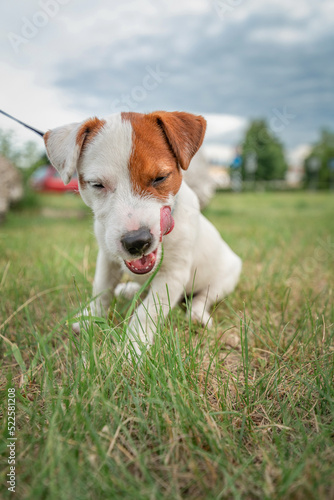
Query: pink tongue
[(166, 221)]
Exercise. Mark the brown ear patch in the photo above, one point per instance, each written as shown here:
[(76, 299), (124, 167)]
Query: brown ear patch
[(184, 133), (46, 136), (151, 158), (88, 130)]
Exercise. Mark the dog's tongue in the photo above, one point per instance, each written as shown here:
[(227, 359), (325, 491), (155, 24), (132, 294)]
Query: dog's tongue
[(166, 221)]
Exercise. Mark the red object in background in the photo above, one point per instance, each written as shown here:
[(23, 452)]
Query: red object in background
[(47, 179)]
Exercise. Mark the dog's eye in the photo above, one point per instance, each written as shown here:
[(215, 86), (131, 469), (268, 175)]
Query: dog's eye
[(159, 180), (96, 185)]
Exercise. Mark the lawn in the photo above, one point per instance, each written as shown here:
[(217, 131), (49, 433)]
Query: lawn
[(242, 411)]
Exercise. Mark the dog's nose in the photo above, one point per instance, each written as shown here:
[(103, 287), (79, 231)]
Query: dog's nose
[(137, 242)]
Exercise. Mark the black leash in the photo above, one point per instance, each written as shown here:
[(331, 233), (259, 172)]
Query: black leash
[(24, 124)]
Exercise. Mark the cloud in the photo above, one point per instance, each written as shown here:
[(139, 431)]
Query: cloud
[(218, 153), (40, 107), (257, 59), (219, 126)]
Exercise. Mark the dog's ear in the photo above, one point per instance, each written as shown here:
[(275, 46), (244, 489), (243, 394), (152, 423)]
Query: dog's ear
[(184, 133), (64, 145)]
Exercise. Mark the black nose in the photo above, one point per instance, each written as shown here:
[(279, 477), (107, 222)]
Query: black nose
[(137, 242)]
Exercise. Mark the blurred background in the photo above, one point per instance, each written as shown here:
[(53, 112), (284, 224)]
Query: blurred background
[(261, 72)]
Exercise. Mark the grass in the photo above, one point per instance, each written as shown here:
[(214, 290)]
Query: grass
[(243, 411)]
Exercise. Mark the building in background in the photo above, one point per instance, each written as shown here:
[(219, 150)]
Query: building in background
[(219, 158), (11, 186)]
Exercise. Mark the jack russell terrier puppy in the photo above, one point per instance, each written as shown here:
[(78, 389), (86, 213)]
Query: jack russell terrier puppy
[(129, 168)]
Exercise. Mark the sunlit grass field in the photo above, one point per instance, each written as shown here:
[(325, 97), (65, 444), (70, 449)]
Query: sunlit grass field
[(242, 411)]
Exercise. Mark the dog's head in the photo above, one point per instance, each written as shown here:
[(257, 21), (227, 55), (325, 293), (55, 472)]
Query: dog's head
[(129, 168)]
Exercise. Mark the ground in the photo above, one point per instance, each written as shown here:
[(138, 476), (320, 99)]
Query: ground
[(242, 411)]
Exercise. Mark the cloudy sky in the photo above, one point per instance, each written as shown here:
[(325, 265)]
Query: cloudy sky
[(230, 60)]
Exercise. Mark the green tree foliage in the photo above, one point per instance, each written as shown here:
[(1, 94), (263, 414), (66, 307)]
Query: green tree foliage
[(26, 156), (323, 152), (260, 142), (23, 155)]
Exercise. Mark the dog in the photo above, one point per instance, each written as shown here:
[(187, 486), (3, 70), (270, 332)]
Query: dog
[(129, 168)]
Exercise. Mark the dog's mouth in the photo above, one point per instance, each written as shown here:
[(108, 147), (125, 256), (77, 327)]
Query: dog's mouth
[(143, 265), (146, 263)]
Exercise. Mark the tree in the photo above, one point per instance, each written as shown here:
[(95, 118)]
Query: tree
[(262, 144), (23, 156), (317, 165), (26, 156)]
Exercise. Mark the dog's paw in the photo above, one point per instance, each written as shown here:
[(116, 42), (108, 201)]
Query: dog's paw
[(201, 317), (76, 328), (85, 320), (136, 346), (133, 352), (127, 290)]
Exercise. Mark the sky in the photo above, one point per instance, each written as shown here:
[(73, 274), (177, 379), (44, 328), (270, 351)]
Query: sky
[(62, 61)]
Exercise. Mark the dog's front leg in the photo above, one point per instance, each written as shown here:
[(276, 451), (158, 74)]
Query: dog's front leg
[(107, 275), (165, 293)]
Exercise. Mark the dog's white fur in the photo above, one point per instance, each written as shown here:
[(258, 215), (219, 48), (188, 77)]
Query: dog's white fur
[(196, 259)]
